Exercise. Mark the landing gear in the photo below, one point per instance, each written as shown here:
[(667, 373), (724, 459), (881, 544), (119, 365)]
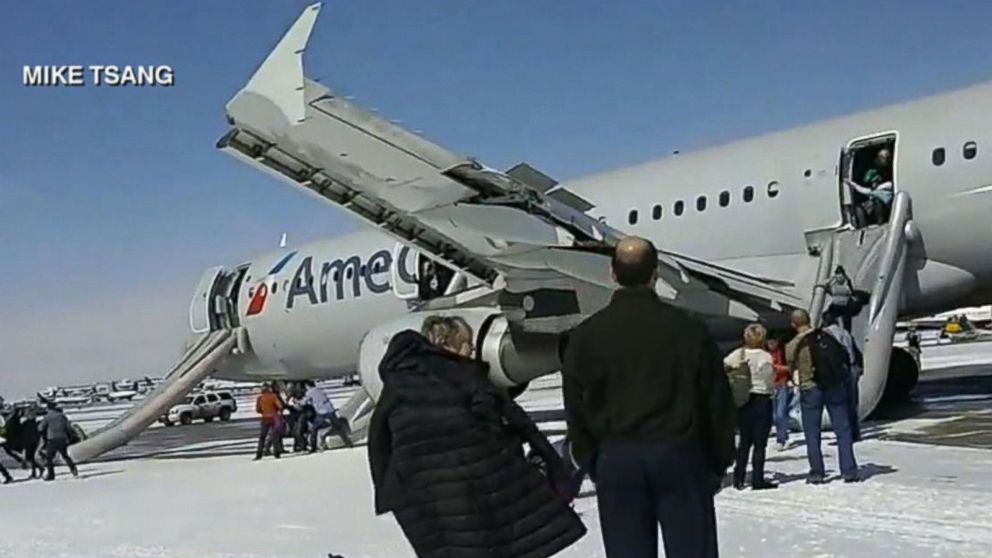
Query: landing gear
[(904, 374)]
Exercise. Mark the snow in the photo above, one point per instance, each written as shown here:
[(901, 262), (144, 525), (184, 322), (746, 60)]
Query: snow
[(919, 501)]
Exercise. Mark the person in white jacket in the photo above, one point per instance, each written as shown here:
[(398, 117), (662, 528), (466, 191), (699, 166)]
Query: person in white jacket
[(755, 421)]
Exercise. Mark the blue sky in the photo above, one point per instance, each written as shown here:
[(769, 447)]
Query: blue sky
[(114, 200)]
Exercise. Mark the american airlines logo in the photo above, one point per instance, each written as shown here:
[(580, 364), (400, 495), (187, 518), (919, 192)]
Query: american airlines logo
[(322, 282)]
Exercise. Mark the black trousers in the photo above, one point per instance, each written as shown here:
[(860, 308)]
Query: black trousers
[(5, 474), (755, 426), (269, 434), (60, 447), (640, 486)]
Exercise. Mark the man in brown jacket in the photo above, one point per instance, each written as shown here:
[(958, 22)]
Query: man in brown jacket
[(269, 407), (813, 398)]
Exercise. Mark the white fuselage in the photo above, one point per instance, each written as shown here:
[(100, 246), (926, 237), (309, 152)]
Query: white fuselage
[(313, 330)]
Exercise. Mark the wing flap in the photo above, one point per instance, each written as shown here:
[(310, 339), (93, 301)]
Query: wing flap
[(518, 225)]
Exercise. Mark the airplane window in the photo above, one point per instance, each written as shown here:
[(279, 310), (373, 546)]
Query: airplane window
[(938, 156), (748, 194), (679, 207), (808, 173), (701, 203), (970, 150), (724, 198), (656, 212), (773, 188), (632, 217)]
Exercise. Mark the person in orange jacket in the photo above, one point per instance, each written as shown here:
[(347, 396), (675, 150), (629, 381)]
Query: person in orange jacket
[(269, 406)]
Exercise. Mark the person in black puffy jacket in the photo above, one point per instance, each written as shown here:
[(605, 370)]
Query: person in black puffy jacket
[(446, 455)]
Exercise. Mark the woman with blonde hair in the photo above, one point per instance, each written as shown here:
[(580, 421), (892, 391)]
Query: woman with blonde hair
[(445, 450), (755, 419)]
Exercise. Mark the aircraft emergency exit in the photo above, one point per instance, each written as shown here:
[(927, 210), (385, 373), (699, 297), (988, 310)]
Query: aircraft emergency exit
[(899, 197)]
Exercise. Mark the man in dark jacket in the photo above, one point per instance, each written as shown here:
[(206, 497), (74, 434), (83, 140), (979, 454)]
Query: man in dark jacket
[(57, 432), (650, 415), (446, 458)]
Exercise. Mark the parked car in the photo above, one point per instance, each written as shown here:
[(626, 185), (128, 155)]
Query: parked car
[(202, 406)]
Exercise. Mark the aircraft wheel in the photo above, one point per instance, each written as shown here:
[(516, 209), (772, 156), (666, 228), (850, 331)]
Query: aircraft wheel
[(904, 374), (518, 390)]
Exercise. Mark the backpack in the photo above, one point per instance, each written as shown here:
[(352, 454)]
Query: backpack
[(739, 377), (831, 365)]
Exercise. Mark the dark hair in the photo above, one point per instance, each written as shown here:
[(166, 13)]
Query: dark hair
[(636, 269), (831, 316)]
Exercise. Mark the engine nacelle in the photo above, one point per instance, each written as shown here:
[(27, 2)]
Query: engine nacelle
[(514, 357)]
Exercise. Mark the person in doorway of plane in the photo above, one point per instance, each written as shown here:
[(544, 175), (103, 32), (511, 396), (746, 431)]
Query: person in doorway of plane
[(876, 189)]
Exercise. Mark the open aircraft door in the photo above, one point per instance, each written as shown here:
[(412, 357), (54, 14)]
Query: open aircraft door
[(201, 318)]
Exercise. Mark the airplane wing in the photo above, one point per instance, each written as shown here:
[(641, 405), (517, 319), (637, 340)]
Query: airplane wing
[(517, 230)]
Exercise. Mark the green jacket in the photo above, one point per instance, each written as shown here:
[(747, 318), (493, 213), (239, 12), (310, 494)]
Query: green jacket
[(644, 370)]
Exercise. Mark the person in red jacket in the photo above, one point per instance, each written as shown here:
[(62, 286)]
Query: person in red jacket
[(269, 406), (783, 392)]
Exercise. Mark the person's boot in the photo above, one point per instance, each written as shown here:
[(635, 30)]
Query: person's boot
[(763, 484), (738, 482), (814, 478)]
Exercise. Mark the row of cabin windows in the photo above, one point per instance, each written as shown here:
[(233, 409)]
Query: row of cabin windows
[(678, 208), (969, 151)]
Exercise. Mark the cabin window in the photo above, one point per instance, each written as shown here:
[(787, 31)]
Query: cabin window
[(748, 194), (970, 150), (701, 203), (679, 207), (938, 156), (808, 173), (632, 217), (772, 189), (656, 212), (724, 198)]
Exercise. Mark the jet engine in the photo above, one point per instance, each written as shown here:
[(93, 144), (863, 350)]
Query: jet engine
[(515, 357)]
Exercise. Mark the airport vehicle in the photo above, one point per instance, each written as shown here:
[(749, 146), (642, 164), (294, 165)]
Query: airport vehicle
[(747, 231), (203, 406)]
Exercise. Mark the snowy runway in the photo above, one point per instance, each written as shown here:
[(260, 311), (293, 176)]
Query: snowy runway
[(921, 501), (193, 492)]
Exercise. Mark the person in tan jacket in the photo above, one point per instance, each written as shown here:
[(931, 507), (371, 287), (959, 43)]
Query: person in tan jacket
[(814, 398), (269, 406)]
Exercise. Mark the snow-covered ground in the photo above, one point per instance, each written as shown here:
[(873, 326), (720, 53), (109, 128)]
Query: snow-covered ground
[(919, 501)]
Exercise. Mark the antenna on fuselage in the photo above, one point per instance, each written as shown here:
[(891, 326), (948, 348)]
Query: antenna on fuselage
[(282, 241)]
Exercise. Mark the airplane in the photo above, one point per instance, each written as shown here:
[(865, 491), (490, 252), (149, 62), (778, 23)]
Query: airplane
[(747, 231)]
